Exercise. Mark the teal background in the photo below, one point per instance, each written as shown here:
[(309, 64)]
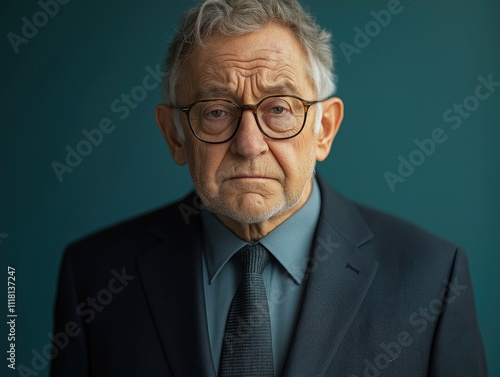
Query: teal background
[(395, 90)]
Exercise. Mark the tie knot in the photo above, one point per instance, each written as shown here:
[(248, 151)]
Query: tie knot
[(253, 258)]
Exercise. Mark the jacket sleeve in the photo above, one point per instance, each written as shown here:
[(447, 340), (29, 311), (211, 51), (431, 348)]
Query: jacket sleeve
[(69, 333), (457, 348)]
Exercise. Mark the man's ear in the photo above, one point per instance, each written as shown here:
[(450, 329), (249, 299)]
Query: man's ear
[(165, 120), (333, 113)]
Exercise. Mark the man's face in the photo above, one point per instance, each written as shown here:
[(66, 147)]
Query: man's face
[(250, 178)]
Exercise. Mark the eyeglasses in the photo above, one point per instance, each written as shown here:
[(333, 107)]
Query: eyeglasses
[(216, 121)]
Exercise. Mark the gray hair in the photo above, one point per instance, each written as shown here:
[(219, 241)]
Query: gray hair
[(238, 17)]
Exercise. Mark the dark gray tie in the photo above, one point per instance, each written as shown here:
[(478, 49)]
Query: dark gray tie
[(247, 347)]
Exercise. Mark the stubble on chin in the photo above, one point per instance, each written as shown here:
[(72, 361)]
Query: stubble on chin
[(253, 215), (220, 204)]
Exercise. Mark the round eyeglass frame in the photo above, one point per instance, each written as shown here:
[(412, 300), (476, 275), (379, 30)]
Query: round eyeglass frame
[(253, 107)]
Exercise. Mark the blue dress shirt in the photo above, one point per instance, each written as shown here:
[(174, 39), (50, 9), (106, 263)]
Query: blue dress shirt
[(289, 244)]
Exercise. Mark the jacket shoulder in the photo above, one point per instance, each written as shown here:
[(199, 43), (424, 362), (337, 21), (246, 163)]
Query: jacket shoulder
[(131, 236), (403, 246), (385, 225), (370, 226)]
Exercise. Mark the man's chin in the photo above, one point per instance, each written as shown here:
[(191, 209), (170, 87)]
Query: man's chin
[(247, 212)]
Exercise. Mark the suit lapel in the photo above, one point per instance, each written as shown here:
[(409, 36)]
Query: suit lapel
[(338, 278), (171, 274)]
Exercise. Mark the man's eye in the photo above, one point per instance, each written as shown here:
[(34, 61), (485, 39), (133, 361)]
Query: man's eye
[(278, 110), (216, 113)]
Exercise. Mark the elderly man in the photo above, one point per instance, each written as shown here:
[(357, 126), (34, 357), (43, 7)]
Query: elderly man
[(264, 270)]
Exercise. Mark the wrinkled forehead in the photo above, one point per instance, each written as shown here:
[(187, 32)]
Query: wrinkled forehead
[(267, 61)]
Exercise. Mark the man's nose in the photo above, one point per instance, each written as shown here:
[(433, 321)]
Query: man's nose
[(249, 141)]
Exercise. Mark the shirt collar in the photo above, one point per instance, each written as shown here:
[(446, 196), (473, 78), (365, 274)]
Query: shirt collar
[(289, 243)]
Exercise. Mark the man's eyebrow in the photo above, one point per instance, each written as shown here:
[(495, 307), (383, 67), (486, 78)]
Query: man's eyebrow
[(283, 88), (212, 91)]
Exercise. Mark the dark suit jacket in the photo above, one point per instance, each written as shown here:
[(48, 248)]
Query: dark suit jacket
[(383, 298)]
